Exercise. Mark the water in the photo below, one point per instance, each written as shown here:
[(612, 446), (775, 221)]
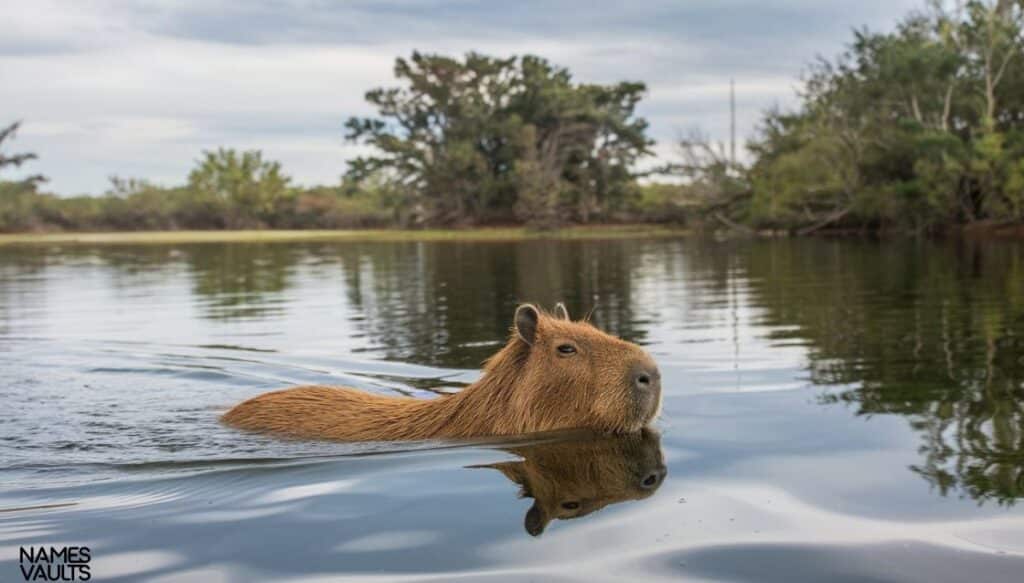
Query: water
[(841, 410)]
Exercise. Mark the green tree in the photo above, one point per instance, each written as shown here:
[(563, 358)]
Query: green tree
[(18, 198), (238, 190), (917, 129), (489, 139), (14, 160)]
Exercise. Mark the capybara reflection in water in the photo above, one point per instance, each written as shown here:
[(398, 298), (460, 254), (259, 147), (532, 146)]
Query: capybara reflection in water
[(552, 374), (569, 479)]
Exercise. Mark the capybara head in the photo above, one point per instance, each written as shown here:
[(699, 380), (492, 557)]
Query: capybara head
[(562, 374), (570, 479)]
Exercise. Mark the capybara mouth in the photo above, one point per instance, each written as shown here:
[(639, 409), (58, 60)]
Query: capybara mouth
[(645, 379), (649, 403)]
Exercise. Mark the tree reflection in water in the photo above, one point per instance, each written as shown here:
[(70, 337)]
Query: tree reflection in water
[(932, 332)]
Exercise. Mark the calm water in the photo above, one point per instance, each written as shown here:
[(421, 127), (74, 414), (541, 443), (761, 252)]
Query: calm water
[(841, 410)]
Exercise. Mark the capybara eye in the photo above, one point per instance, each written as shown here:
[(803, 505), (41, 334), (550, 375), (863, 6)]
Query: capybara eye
[(570, 505), (567, 349)]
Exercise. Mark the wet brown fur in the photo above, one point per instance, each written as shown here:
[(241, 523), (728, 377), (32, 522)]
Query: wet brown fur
[(526, 387), (570, 479)]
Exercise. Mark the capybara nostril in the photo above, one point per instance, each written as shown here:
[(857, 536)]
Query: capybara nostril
[(644, 378), (654, 478)]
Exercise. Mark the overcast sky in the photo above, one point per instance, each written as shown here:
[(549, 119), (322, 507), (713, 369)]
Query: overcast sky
[(139, 89)]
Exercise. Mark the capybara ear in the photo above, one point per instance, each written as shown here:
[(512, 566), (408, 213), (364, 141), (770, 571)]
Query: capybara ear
[(560, 312), (526, 322), (535, 522)]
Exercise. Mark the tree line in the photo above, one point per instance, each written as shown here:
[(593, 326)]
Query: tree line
[(480, 140), (916, 130), (227, 189)]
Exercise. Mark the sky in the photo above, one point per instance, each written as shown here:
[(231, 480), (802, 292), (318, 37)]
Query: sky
[(138, 89)]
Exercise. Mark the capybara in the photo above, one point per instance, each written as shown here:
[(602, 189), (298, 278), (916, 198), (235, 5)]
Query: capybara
[(572, 478), (552, 374)]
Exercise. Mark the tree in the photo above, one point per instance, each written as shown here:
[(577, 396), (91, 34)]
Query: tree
[(16, 160), (713, 180), (18, 198), (490, 139), (993, 37), (917, 129), (239, 190)]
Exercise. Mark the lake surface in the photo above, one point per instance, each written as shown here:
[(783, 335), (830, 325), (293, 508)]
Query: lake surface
[(834, 410)]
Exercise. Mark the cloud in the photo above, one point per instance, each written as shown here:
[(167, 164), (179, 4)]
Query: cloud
[(140, 88)]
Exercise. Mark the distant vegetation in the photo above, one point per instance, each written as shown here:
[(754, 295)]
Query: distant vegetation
[(470, 142), (226, 190), (918, 130)]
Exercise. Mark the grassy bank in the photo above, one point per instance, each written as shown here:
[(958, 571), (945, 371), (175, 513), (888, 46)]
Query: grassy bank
[(270, 236)]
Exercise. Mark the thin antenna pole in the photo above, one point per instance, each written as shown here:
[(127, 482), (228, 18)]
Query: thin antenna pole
[(732, 121)]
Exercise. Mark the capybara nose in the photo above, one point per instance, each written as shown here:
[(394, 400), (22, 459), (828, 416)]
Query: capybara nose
[(654, 478), (646, 378)]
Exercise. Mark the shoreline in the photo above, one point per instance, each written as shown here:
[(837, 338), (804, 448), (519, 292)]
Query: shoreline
[(482, 234), (1013, 231)]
